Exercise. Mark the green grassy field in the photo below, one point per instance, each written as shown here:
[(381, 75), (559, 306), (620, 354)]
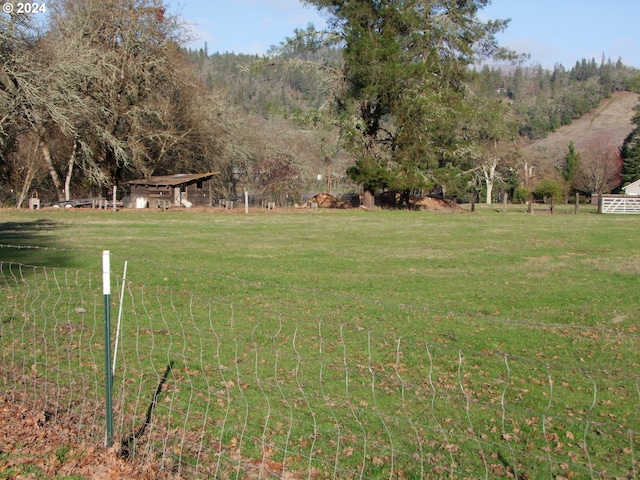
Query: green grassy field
[(562, 269), (379, 344)]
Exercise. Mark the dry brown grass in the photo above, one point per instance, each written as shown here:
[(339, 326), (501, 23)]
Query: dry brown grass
[(610, 122)]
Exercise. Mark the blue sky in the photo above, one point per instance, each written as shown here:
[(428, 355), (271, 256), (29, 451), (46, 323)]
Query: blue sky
[(551, 31)]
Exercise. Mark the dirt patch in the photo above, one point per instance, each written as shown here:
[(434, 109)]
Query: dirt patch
[(429, 203), (542, 259), (326, 200)]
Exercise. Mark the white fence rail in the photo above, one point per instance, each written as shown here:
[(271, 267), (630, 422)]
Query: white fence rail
[(620, 204)]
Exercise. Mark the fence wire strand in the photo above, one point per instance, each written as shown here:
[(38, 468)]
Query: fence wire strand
[(216, 388)]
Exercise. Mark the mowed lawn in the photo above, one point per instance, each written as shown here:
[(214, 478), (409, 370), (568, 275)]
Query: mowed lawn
[(567, 269), (367, 269), (469, 341)]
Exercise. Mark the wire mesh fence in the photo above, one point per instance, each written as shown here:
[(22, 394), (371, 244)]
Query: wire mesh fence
[(209, 388)]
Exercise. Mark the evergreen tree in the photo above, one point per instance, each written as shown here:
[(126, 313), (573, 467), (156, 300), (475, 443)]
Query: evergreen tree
[(570, 168), (631, 154), (404, 73), (605, 79)]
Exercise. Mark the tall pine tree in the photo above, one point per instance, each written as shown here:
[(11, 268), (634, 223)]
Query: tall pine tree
[(571, 164), (631, 153), (403, 95)]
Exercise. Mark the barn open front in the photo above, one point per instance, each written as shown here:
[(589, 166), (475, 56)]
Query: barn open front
[(180, 190)]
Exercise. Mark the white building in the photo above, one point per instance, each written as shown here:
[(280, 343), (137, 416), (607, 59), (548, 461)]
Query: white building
[(632, 188)]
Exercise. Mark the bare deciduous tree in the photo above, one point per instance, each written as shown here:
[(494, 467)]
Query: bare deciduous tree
[(600, 166), (132, 45)]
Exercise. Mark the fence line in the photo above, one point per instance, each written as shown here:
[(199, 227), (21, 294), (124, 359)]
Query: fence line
[(624, 204), (208, 387)]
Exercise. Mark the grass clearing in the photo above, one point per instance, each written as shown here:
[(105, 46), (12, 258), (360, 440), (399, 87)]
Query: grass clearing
[(356, 343)]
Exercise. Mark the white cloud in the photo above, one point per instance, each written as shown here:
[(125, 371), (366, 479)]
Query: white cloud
[(198, 34)]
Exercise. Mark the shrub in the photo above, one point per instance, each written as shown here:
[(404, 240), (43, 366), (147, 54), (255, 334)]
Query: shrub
[(521, 194), (548, 189)]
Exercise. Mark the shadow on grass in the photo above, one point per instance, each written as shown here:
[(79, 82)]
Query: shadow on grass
[(32, 243)]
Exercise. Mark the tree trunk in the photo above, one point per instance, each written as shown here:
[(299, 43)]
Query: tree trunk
[(26, 185), (32, 169), (489, 173), (368, 200), (46, 153), (67, 180), (489, 191)]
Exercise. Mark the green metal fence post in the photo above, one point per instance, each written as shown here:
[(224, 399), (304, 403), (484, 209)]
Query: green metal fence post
[(106, 290)]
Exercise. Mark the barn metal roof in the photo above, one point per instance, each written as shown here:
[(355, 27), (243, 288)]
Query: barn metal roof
[(173, 180)]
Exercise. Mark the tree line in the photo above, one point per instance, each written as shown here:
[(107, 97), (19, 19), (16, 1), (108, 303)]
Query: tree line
[(505, 105), (390, 95), (105, 92), (545, 100)]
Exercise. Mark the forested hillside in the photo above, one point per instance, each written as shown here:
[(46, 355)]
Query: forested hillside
[(267, 90), (385, 102), (597, 137), (544, 102)]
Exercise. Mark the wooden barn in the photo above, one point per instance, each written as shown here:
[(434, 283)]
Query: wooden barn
[(181, 190)]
